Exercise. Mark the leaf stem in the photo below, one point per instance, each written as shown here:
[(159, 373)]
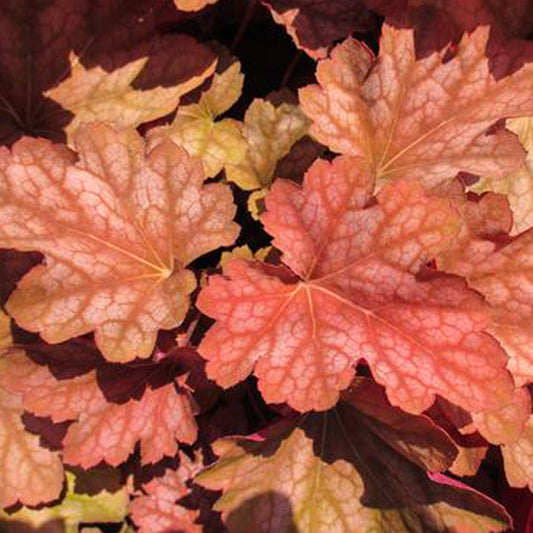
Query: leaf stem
[(244, 24)]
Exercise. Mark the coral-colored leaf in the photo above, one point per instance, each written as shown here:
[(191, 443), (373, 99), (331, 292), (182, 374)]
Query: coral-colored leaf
[(425, 119), (117, 231), (156, 511), (357, 297), (314, 25), (30, 474), (503, 273), (90, 60), (217, 143), (359, 467), (104, 431)]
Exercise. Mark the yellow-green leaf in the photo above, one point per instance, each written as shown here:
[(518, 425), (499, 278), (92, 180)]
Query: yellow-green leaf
[(195, 128), (360, 467), (75, 508), (270, 132)]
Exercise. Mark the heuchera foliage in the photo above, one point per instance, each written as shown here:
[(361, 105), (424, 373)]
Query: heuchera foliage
[(266, 266)]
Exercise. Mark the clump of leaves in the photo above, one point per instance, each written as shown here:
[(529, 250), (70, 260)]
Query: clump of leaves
[(293, 298)]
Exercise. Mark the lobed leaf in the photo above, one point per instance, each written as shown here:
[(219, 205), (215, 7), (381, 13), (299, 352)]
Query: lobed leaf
[(217, 143), (102, 430), (87, 60), (427, 118), (517, 186), (503, 273), (156, 511), (315, 25), (517, 459), (269, 131), (30, 474), (116, 229), (357, 297), (75, 508), (359, 467)]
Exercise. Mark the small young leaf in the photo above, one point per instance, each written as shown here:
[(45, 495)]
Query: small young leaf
[(217, 143), (269, 131)]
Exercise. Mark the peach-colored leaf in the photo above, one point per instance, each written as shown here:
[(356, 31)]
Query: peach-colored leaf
[(89, 60), (518, 459), (5, 331), (505, 425), (104, 431), (349, 469), (30, 474), (117, 229), (468, 460), (357, 297), (156, 511), (426, 119), (518, 185), (96, 95), (193, 5), (502, 271)]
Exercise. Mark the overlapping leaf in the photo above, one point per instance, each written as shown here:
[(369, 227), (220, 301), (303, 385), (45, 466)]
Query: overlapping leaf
[(269, 132), (517, 186), (117, 229), (69, 61), (75, 508), (426, 119), (218, 143), (357, 297), (314, 25), (31, 474), (103, 431), (360, 467), (156, 511), (5, 332), (501, 270), (518, 459), (438, 23)]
